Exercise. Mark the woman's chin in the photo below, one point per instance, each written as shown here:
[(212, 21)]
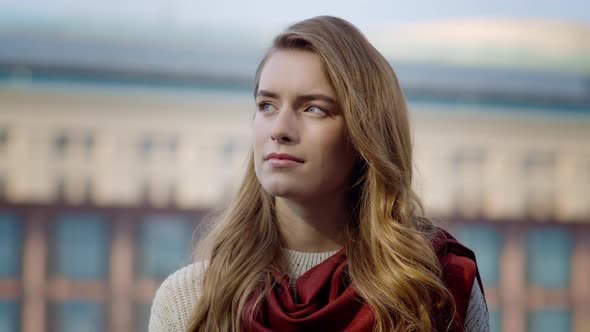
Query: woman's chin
[(282, 190)]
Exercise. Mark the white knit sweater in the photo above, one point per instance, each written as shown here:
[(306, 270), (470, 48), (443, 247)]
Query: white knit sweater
[(178, 294)]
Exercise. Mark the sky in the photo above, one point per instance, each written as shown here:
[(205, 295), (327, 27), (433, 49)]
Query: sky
[(247, 25), (272, 12)]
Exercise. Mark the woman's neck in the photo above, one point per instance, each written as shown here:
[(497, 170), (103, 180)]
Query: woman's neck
[(312, 227)]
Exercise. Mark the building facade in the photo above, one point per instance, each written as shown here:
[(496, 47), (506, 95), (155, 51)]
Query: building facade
[(102, 192)]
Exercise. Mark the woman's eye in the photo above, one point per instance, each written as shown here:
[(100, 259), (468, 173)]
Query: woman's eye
[(265, 107), (316, 110)]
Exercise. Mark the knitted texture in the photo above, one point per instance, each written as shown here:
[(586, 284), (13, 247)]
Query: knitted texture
[(178, 295), (175, 299), (301, 262), (477, 318)]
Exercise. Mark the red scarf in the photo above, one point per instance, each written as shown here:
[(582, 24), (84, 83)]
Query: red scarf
[(328, 302)]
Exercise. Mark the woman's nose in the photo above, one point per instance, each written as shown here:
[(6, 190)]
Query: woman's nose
[(285, 127)]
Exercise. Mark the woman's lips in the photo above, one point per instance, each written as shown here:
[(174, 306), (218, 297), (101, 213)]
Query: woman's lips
[(283, 163), (283, 160)]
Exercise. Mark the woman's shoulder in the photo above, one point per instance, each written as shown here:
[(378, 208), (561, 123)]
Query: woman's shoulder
[(458, 263), (186, 279), (176, 298)]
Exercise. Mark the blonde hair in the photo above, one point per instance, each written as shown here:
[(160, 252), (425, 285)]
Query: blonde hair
[(390, 258)]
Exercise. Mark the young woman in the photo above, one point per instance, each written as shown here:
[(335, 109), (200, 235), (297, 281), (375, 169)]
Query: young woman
[(325, 233)]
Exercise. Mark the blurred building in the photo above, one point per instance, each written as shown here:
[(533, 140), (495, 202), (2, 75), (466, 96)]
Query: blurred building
[(113, 150)]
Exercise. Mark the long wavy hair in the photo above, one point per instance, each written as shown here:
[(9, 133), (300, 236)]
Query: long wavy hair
[(391, 261)]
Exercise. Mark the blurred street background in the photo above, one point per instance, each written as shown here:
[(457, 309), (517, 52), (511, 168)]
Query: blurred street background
[(123, 123)]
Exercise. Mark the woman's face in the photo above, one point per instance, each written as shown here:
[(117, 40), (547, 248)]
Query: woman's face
[(300, 146)]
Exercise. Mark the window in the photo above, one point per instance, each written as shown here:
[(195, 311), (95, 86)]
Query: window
[(159, 146), (79, 143), (549, 320), (3, 189), (9, 316), (486, 242), (88, 143), (142, 316), (10, 245), (82, 246), (165, 243), (3, 139), (172, 147), (61, 144), (549, 253), (76, 316), (146, 147), (495, 320)]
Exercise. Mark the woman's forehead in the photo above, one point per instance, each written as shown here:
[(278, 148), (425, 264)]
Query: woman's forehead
[(294, 71)]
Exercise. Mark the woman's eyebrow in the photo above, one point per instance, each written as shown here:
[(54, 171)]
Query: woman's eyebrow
[(315, 96), (300, 99), (265, 93)]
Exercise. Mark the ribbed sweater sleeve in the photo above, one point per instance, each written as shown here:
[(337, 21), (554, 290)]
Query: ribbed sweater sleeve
[(477, 318), (175, 299)]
